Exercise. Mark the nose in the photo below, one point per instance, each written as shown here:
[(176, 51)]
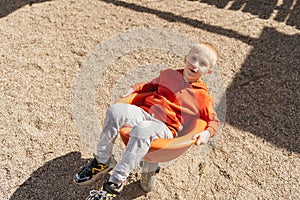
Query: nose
[(194, 67)]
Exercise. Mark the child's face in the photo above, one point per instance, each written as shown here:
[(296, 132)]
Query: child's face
[(198, 62)]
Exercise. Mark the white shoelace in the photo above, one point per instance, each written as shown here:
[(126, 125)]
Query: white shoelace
[(97, 195)]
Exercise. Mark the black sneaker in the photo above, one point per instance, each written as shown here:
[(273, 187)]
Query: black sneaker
[(90, 173), (108, 191)]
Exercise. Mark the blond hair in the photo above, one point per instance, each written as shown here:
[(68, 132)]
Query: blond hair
[(212, 47)]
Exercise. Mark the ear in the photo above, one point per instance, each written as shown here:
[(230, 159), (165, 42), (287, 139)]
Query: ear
[(185, 61)]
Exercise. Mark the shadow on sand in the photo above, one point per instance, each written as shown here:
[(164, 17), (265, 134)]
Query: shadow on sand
[(288, 11), (9, 6), (54, 180), (264, 96)]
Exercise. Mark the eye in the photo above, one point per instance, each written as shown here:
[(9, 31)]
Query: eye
[(202, 64), (194, 58)]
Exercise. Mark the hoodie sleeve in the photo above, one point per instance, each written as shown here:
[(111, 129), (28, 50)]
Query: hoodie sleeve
[(210, 116)]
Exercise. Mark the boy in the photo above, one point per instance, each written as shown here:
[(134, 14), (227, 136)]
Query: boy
[(178, 96)]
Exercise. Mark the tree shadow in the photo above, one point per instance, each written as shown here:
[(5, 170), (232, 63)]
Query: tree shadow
[(54, 180), (288, 11), (9, 6)]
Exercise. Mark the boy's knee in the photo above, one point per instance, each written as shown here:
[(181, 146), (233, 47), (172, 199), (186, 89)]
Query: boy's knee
[(142, 130), (116, 110)]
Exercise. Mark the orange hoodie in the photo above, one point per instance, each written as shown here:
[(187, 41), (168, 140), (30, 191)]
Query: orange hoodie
[(176, 102)]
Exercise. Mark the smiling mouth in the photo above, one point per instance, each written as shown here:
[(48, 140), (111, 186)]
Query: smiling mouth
[(193, 70)]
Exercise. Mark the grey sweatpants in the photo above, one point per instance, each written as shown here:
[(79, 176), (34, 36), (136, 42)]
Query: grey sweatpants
[(145, 128)]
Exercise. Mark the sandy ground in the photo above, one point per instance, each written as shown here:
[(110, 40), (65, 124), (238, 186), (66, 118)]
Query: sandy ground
[(44, 44)]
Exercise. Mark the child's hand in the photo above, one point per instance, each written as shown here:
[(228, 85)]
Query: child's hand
[(202, 137), (129, 91)]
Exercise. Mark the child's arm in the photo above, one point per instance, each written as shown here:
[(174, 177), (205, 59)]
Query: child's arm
[(210, 116)]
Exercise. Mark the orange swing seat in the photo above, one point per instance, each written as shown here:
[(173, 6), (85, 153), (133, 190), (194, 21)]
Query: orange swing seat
[(163, 150)]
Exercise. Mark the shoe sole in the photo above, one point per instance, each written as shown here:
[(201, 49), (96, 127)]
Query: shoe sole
[(95, 177)]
